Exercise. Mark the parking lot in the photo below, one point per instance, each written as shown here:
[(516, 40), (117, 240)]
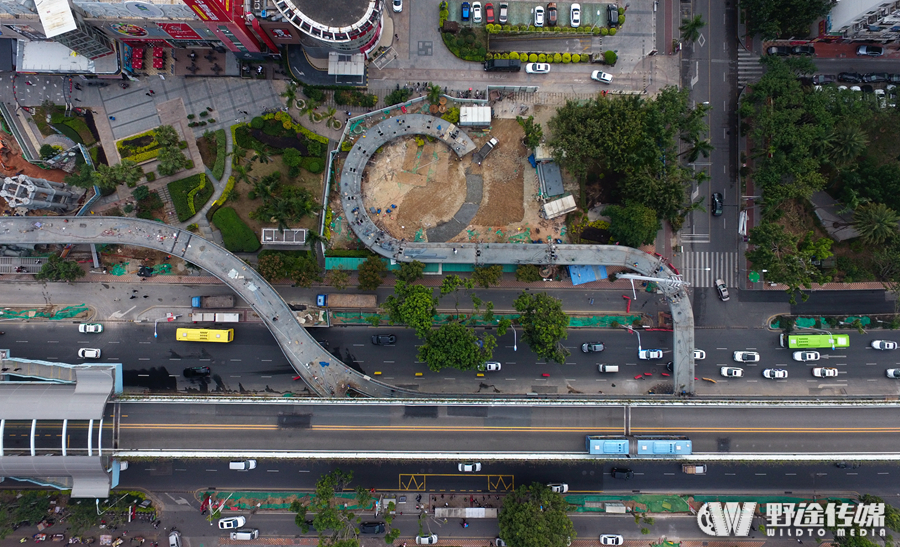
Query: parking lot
[(520, 13)]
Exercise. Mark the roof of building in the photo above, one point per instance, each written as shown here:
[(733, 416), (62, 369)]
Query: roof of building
[(550, 178), (56, 16), (335, 13), (55, 58)]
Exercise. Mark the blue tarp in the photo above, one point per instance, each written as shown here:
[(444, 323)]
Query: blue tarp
[(586, 274)]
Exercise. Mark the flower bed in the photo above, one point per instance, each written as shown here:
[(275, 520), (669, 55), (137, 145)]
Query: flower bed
[(189, 195)]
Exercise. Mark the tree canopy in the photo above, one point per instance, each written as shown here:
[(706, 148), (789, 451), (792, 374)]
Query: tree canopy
[(534, 516), (371, 273), (413, 305), (57, 269), (776, 18), (632, 225), (455, 345), (545, 325), (787, 258)]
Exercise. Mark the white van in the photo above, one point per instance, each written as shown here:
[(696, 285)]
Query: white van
[(245, 465), (174, 538), (245, 535), (608, 368)]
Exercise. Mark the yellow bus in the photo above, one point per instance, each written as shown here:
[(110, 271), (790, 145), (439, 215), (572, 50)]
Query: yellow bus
[(205, 335)]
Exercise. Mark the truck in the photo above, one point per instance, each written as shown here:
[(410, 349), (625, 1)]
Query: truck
[(339, 300), (485, 150), (694, 469), (222, 301), (503, 65), (198, 317)]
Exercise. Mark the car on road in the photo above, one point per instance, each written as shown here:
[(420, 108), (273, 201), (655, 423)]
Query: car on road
[(503, 15), (398, 6), (731, 372), (469, 467), (718, 202), (806, 356), (825, 372), (775, 373), (491, 366), (89, 353), (884, 344), (779, 50), (592, 347), (552, 14), (476, 12), (622, 473), (602, 77), (822, 79), (611, 539), (699, 355), (232, 523), (196, 372), (650, 354), (466, 11), (847, 465), (371, 528), (558, 487), (803, 50), (489, 13), (92, 328), (384, 339), (849, 77), (892, 373), (538, 16), (175, 538), (746, 357), (870, 51), (537, 68), (575, 15), (429, 539), (722, 290)]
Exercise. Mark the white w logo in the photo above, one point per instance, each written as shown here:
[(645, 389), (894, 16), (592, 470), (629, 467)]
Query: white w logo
[(724, 519)]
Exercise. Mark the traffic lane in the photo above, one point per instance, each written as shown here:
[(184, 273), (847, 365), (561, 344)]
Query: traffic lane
[(413, 428)]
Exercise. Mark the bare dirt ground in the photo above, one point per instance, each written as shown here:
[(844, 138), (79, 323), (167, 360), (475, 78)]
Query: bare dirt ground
[(14, 163)]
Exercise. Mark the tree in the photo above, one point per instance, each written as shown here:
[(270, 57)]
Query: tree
[(271, 266), (371, 274), (410, 272), (338, 278), (528, 273), (141, 193), (845, 143), (545, 325), (533, 131), (773, 18), (454, 345), (699, 147), (57, 269), (787, 258), (690, 28), (412, 305), (171, 160), (434, 93), (632, 225), (487, 276), (166, 136), (292, 157), (876, 223), (330, 513), (304, 270), (83, 177), (535, 516)]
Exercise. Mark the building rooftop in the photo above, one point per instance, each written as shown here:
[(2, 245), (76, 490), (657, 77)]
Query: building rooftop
[(335, 13)]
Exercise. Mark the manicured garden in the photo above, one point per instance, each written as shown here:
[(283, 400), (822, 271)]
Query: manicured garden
[(236, 235), (144, 146), (212, 146), (189, 195)]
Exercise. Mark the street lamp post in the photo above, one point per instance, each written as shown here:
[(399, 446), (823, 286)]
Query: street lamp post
[(155, 334), (515, 348)]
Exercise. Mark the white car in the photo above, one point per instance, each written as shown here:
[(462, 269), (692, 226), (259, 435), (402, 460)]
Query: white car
[(89, 353), (731, 372), (650, 354), (537, 68), (775, 373), (699, 355), (575, 15), (476, 12), (893, 372), (559, 487), (601, 77), (884, 344), (232, 523), (398, 6), (611, 539), (806, 356), (92, 328), (492, 366), (539, 16), (469, 467), (746, 357), (825, 372), (430, 539)]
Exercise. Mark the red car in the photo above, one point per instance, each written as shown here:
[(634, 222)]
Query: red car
[(489, 13)]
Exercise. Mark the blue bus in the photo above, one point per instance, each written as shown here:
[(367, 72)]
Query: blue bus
[(605, 444), (663, 446)]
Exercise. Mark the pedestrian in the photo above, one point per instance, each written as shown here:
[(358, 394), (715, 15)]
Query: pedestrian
[(397, 36), (152, 92), (147, 94)]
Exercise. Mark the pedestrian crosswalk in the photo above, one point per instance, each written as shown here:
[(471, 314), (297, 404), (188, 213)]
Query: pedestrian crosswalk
[(701, 269), (749, 69)]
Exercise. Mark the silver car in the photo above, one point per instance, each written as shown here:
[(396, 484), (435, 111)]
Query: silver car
[(775, 373), (469, 467), (731, 372), (89, 353), (746, 357), (884, 344), (806, 356)]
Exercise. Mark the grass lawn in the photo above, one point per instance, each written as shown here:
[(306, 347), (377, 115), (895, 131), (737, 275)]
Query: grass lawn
[(236, 235), (180, 190)]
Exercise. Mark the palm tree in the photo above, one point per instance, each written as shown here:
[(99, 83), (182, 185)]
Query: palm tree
[(697, 148), (290, 94), (690, 28), (434, 93), (876, 223), (237, 153), (241, 172), (262, 155), (845, 143)]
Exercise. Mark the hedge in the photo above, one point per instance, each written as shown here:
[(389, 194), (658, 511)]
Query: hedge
[(313, 165), (190, 194), (218, 170), (236, 235), (219, 202)]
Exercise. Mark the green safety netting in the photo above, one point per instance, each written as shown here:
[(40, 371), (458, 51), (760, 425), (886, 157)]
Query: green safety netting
[(276, 500), (821, 323), (347, 318), (119, 269), (763, 500), (64, 313), (641, 504)]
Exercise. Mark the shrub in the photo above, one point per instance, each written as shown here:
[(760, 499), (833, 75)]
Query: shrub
[(218, 170), (566, 58), (346, 146), (612, 32), (314, 93), (513, 55), (128, 208), (542, 58), (151, 176), (604, 31), (190, 194), (236, 235), (141, 193), (557, 58), (193, 227), (191, 116), (533, 58), (528, 273), (257, 123), (313, 165), (204, 114), (610, 57)]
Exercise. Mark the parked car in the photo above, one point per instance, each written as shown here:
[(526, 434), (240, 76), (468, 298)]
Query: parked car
[(558, 487), (611, 539), (718, 202), (503, 16), (491, 366), (232, 523), (89, 353), (575, 15), (371, 528), (822, 79), (476, 12), (894, 78), (731, 372), (384, 339), (537, 68), (469, 467), (592, 347), (775, 373), (466, 11), (92, 328), (722, 290), (622, 473), (398, 6), (602, 77), (746, 357), (650, 354), (552, 15), (893, 372), (825, 372), (612, 15), (539, 16), (884, 344), (699, 355), (876, 77), (849, 77), (197, 372), (429, 539), (489, 13), (806, 356), (870, 51), (803, 50), (779, 50)]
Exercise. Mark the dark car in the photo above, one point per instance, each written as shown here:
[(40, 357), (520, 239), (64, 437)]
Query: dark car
[(779, 50), (592, 347), (196, 372), (489, 13), (371, 528), (384, 339), (894, 78), (552, 14), (803, 50), (847, 465), (622, 473), (466, 11), (868, 89), (850, 77), (718, 201), (821, 79), (876, 77), (870, 51)]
